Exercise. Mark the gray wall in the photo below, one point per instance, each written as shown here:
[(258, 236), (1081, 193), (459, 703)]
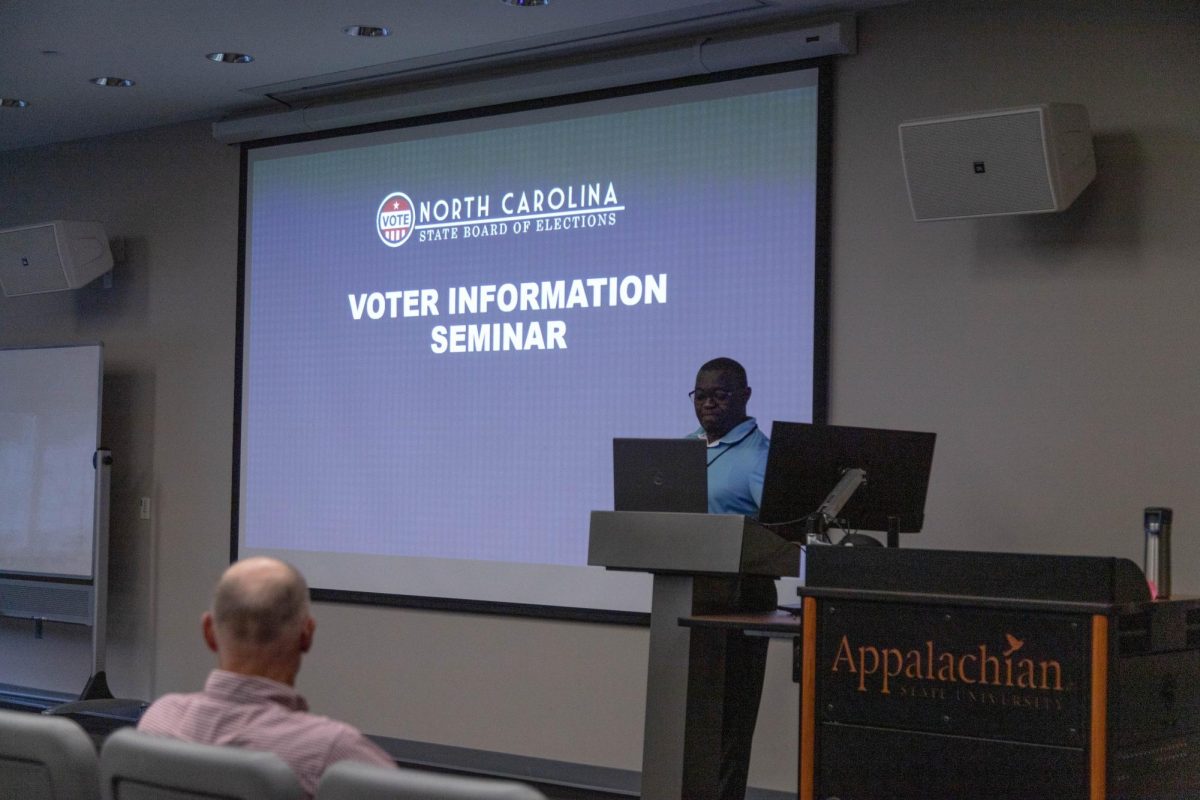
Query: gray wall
[(168, 327), (1053, 355)]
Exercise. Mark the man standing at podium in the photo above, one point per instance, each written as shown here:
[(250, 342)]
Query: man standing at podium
[(737, 449), (737, 462)]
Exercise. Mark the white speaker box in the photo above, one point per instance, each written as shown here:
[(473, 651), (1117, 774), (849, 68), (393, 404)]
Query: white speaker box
[(1029, 160), (52, 256)]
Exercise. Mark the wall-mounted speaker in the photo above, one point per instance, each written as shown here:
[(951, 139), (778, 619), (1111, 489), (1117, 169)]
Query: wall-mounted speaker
[(52, 256), (1029, 160)]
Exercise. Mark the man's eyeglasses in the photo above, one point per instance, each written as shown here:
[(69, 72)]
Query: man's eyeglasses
[(704, 395)]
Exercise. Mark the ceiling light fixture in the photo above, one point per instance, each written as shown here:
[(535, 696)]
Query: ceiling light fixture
[(230, 58), (13, 102), (108, 81), (366, 31), (526, 3)]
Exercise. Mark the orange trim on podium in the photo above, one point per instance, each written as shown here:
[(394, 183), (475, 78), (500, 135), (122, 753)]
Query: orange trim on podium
[(1097, 760), (808, 699)]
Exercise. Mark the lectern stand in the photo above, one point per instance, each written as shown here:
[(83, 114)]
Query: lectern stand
[(684, 677), (945, 675)]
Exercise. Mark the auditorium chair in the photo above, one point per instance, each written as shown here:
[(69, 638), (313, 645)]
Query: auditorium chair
[(138, 766), (349, 780), (45, 758)]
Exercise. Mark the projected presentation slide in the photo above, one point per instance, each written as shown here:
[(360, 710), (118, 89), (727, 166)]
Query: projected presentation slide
[(445, 326)]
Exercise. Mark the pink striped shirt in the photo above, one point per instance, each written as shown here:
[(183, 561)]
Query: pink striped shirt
[(261, 714)]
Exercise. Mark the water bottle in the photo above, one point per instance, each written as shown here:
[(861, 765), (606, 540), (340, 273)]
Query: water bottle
[(1157, 562)]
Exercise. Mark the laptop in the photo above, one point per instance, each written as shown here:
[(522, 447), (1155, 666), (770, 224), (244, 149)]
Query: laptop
[(660, 475)]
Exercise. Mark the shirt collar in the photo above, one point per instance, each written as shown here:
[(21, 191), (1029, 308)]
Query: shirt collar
[(735, 435), (240, 688)]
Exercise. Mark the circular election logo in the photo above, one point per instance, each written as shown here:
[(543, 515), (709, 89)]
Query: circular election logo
[(395, 219)]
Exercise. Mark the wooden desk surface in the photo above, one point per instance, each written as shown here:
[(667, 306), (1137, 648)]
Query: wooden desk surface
[(779, 622)]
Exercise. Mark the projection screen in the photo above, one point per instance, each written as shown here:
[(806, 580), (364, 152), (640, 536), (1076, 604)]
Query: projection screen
[(444, 324)]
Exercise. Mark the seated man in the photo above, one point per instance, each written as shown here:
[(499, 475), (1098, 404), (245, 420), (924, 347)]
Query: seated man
[(260, 627)]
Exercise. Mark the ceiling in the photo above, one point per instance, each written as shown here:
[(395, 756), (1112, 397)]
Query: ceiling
[(50, 49)]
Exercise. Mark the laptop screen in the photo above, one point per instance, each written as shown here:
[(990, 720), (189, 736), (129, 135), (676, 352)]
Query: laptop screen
[(660, 475)]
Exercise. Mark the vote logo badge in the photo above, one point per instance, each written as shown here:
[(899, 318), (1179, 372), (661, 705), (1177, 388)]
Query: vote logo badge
[(395, 219)]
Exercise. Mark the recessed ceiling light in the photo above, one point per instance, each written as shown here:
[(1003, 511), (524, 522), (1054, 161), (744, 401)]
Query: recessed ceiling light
[(230, 58), (366, 31), (526, 3), (13, 102), (109, 81)]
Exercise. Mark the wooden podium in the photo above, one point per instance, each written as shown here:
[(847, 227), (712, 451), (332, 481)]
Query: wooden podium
[(680, 761), (954, 675)]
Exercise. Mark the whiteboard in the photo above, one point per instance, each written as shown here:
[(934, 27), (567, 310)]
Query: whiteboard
[(49, 431)]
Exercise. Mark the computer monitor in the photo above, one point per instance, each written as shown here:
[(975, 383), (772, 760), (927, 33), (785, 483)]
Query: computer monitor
[(806, 462)]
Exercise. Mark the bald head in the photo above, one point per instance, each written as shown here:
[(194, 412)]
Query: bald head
[(259, 602)]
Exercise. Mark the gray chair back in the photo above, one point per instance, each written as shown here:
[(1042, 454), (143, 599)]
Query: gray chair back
[(138, 766), (46, 758), (350, 780)]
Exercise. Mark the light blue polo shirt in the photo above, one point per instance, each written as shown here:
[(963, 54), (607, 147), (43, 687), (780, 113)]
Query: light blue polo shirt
[(737, 463)]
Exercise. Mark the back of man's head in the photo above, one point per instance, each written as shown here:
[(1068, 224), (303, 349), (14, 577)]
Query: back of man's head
[(260, 602)]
